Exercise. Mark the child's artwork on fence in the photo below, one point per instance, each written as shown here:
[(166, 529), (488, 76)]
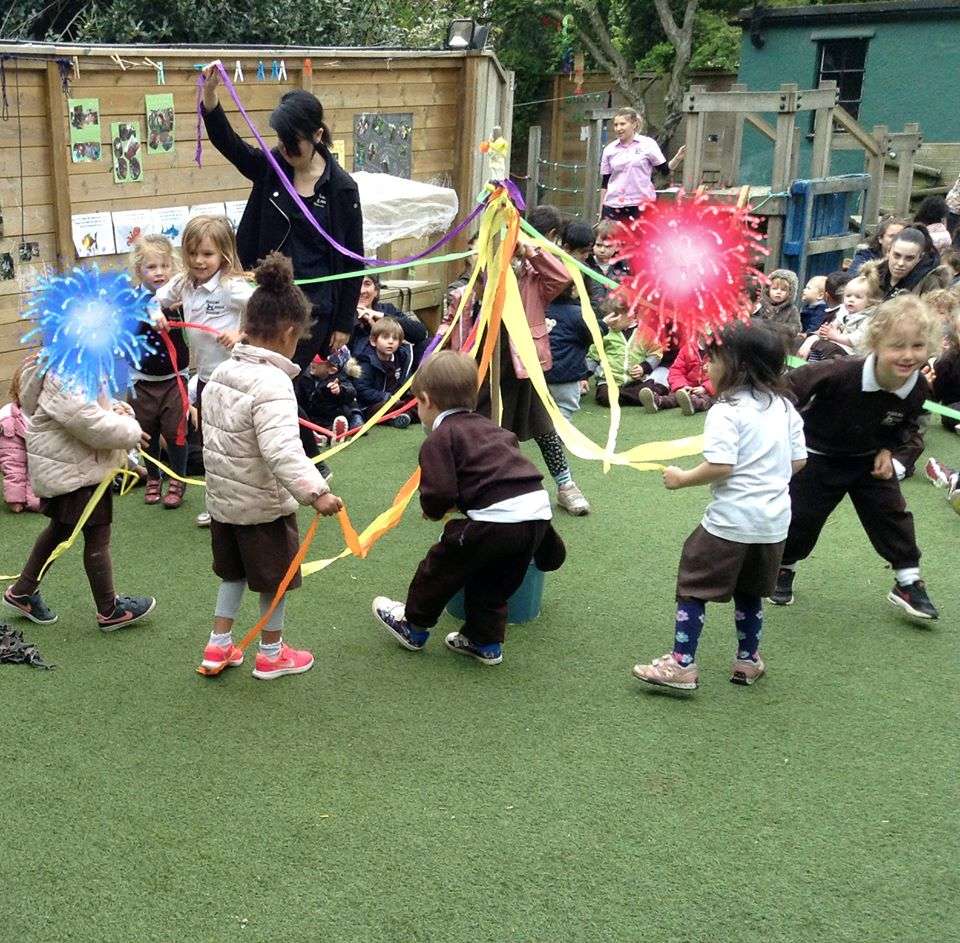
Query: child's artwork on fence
[(382, 143), (92, 234), (84, 119), (127, 152), (160, 124)]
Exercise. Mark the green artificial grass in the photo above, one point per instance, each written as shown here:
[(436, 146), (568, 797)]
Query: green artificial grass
[(392, 796)]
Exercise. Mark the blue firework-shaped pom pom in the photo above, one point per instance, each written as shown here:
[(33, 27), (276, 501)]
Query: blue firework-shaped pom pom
[(89, 324)]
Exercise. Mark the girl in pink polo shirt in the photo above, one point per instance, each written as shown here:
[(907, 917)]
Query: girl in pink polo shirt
[(627, 167)]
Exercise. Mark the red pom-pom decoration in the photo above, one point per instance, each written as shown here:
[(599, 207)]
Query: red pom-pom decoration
[(691, 261)]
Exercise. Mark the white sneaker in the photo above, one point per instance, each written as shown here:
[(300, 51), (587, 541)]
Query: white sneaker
[(571, 499), (203, 519)]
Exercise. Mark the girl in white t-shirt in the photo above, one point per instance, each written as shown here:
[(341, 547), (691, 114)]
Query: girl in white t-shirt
[(753, 445), (212, 292)]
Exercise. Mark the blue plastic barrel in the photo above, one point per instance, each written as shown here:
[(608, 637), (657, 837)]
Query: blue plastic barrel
[(523, 605)]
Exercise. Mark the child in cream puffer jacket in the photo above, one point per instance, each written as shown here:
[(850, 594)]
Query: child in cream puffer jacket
[(73, 444), (257, 472)]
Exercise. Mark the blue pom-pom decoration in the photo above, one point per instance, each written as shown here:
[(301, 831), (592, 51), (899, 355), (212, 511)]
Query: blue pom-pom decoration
[(89, 322)]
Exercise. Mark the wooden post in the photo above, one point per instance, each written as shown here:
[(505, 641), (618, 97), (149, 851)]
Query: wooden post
[(591, 171), (533, 167), (822, 138), (60, 167), (736, 145), (905, 146), (695, 139), (875, 162), (782, 166)]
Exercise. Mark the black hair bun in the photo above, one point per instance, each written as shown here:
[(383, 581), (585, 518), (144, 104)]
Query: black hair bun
[(275, 273)]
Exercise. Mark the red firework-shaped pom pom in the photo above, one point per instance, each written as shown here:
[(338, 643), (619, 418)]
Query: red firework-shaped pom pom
[(691, 261)]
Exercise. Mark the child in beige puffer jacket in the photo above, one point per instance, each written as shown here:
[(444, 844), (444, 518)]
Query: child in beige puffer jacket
[(73, 443), (257, 472)]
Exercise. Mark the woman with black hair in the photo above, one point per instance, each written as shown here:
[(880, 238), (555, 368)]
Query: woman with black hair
[(912, 265), (879, 244), (371, 309), (272, 221)]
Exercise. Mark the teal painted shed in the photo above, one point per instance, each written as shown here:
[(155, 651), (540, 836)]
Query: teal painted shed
[(894, 62)]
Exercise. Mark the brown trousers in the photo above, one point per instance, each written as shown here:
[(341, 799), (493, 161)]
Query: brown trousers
[(487, 561)]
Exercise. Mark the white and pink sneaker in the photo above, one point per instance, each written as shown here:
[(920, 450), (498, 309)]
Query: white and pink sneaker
[(290, 661), (215, 659)]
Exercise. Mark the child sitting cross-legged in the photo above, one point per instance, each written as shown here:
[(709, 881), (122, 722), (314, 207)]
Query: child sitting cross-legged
[(633, 356), (385, 363), (471, 465), (689, 380)]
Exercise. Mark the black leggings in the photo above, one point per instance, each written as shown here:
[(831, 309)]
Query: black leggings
[(96, 561)]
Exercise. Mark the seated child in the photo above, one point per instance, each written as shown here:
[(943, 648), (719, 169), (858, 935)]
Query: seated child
[(17, 491), (385, 363), (846, 333), (471, 465), (689, 380), (371, 309), (326, 394), (778, 304), (857, 412), (951, 259), (577, 238), (72, 445), (633, 356), (606, 247), (258, 473), (814, 308)]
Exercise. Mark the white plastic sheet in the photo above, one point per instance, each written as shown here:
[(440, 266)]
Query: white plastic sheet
[(397, 208)]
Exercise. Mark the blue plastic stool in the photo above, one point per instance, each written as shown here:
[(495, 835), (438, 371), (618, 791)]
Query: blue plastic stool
[(523, 605)]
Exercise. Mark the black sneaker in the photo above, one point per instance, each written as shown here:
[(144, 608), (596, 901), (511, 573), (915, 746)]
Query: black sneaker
[(400, 422), (126, 610), (491, 654), (914, 601), (782, 594), (32, 607)]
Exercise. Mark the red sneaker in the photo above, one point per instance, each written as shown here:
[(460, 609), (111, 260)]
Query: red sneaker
[(290, 661), (215, 659), (340, 427)]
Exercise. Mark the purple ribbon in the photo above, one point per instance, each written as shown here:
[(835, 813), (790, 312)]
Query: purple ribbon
[(513, 191), (289, 187)]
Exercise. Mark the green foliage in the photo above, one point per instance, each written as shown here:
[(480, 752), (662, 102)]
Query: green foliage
[(716, 45)]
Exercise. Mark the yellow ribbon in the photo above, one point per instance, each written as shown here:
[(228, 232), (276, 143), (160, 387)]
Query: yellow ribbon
[(130, 479)]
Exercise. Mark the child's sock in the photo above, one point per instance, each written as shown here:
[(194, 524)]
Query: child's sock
[(748, 616), (271, 650), (221, 639), (690, 617), (907, 575)]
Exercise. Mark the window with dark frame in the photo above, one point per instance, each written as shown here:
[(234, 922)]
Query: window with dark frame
[(843, 60)]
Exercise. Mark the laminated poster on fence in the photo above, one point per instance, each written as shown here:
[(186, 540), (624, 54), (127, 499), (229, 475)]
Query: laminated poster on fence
[(161, 135), (208, 209), (171, 221), (234, 211), (92, 234), (130, 225), (127, 151), (83, 115)]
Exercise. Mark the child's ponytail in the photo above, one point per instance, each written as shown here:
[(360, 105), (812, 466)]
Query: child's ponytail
[(277, 303)]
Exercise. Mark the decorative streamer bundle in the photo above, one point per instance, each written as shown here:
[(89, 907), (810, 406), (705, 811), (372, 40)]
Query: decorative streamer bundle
[(88, 322), (690, 261)]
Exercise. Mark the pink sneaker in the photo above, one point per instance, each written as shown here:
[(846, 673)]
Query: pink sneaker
[(667, 672), (745, 671), (290, 661), (940, 475), (215, 659)]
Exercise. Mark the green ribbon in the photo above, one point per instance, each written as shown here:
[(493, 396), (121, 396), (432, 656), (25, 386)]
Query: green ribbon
[(596, 276), (450, 257)]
